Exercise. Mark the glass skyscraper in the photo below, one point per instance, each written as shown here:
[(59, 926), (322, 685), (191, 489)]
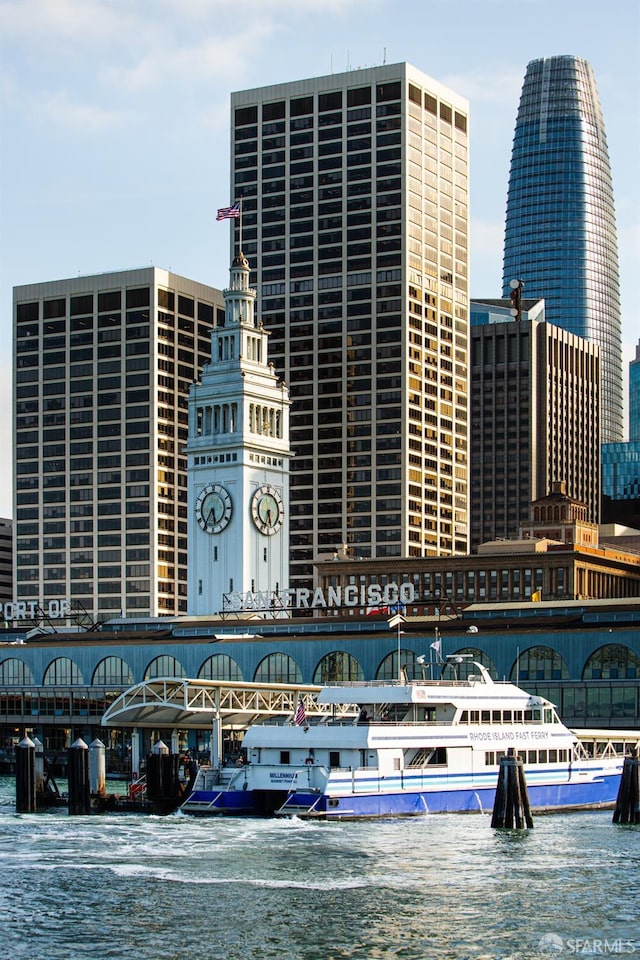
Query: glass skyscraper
[(560, 236), (621, 463)]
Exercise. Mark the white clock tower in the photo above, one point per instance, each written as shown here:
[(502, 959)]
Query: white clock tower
[(237, 463)]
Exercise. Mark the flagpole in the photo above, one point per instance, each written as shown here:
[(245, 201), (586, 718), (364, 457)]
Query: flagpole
[(240, 227)]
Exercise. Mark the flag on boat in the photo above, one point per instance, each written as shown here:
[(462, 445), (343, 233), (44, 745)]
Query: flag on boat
[(300, 716), (437, 645), (227, 213), (536, 596)]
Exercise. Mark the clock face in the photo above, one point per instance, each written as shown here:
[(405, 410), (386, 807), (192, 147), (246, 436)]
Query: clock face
[(213, 508), (267, 509)]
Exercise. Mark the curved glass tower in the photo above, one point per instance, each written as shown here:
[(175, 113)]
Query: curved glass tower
[(560, 235)]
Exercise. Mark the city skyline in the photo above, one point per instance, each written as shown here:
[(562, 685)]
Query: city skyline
[(118, 152)]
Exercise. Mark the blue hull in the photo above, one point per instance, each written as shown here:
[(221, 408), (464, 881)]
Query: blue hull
[(601, 792)]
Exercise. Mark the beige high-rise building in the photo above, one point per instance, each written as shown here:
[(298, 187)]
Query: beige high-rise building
[(103, 366), (354, 191)]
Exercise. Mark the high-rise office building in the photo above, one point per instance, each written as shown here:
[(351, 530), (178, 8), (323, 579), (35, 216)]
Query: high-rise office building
[(634, 397), (103, 366), (560, 235), (6, 560), (621, 463), (535, 404), (354, 190)]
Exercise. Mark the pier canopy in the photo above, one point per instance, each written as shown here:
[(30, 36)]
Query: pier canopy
[(173, 702)]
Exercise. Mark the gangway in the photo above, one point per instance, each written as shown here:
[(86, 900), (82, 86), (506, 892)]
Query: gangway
[(200, 704)]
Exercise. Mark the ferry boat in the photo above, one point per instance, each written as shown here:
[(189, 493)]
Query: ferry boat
[(400, 748)]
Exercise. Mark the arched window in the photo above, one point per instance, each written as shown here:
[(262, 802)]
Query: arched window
[(388, 669), (220, 667), (466, 669), (164, 666), (15, 671), (614, 661), (539, 663), (112, 671), (338, 666), (278, 668), (62, 672)]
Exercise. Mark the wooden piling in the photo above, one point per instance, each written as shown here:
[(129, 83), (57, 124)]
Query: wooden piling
[(164, 789), (627, 808), (511, 805), (25, 776), (78, 774)]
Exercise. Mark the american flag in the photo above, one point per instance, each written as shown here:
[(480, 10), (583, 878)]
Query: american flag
[(300, 716), (226, 213)]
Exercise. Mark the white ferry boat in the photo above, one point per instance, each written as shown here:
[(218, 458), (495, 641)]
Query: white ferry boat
[(404, 748)]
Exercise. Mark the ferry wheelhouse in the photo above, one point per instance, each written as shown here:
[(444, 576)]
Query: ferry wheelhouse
[(402, 748)]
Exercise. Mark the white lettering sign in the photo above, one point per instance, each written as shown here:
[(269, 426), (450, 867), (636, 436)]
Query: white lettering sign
[(34, 609), (373, 596)]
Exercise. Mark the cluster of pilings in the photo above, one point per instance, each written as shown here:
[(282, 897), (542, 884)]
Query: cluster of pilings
[(165, 786), (36, 788)]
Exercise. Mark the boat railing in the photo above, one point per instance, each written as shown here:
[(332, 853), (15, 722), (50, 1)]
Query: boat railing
[(471, 681), (600, 744)]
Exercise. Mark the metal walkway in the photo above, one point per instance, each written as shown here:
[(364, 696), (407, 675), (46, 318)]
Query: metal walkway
[(197, 704)]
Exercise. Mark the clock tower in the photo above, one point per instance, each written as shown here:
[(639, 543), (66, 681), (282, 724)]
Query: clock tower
[(237, 464)]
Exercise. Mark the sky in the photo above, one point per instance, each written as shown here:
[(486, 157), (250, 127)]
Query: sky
[(114, 123)]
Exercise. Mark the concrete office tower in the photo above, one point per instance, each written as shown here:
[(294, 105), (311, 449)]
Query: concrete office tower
[(355, 210), (560, 235), (535, 407), (6, 561), (103, 367)]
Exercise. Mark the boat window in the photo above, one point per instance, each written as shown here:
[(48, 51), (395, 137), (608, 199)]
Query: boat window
[(464, 716), (522, 755), (284, 756), (486, 716), (553, 756), (528, 716), (334, 758), (496, 716), (506, 716), (517, 716), (542, 756), (536, 716), (562, 755), (532, 756), (475, 716)]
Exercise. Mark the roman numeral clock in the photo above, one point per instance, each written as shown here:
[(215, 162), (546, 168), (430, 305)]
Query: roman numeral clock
[(214, 508), (238, 456), (267, 510)]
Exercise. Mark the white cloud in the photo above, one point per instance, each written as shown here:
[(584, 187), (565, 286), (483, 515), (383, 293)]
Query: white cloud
[(50, 22), (213, 57), (84, 118)]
